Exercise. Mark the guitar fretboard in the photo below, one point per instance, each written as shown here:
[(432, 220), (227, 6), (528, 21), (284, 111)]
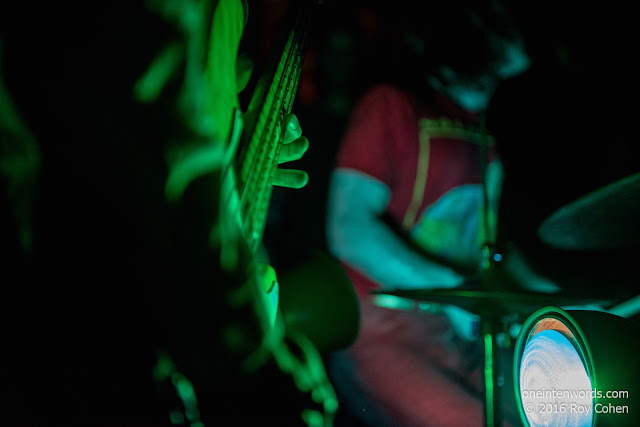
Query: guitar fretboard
[(264, 130)]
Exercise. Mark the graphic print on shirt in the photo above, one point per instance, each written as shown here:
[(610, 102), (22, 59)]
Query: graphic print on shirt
[(453, 227)]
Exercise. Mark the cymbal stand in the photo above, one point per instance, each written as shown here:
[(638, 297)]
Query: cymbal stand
[(493, 376), (490, 323)]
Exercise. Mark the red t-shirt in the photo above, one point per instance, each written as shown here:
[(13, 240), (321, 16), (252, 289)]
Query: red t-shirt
[(421, 153)]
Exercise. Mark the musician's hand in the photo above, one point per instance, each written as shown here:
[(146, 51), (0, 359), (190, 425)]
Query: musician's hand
[(293, 148), (294, 144)]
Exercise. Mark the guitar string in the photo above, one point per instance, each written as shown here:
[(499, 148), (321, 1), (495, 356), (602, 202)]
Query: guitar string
[(251, 188), (256, 146), (250, 183)]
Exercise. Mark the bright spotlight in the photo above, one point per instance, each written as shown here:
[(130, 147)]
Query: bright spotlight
[(577, 368)]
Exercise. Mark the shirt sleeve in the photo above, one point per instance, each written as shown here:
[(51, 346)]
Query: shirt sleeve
[(376, 133)]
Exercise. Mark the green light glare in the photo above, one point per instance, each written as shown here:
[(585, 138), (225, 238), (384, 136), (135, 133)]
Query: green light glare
[(270, 292), (165, 368), (20, 160), (177, 418), (187, 395), (184, 387), (313, 418), (488, 375), (149, 87), (221, 71), (308, 373)]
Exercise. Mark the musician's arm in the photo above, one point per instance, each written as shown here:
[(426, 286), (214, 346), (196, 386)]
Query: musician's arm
[(357, 235)]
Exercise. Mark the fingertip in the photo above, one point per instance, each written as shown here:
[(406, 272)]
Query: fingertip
[(304, 145), (292, 122), (293, 127), (304, 179), (290, 178), (299, 179)]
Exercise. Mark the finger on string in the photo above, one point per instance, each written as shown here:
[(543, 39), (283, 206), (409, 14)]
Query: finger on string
[(292, 129), (293, 150)]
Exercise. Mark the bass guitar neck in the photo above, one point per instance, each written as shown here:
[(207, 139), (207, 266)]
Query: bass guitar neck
[(263, 132)]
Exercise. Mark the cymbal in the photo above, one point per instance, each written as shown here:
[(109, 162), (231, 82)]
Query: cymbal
[(604, 219), (491, 302)]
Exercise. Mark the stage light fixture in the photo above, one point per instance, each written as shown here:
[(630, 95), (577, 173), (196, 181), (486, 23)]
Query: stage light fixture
[(577, 368)]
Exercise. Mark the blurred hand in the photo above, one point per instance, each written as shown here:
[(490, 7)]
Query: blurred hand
[(293, 148), (464, 323)]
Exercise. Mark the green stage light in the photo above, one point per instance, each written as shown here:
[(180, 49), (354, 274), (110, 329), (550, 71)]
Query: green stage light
[(577, 368)]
